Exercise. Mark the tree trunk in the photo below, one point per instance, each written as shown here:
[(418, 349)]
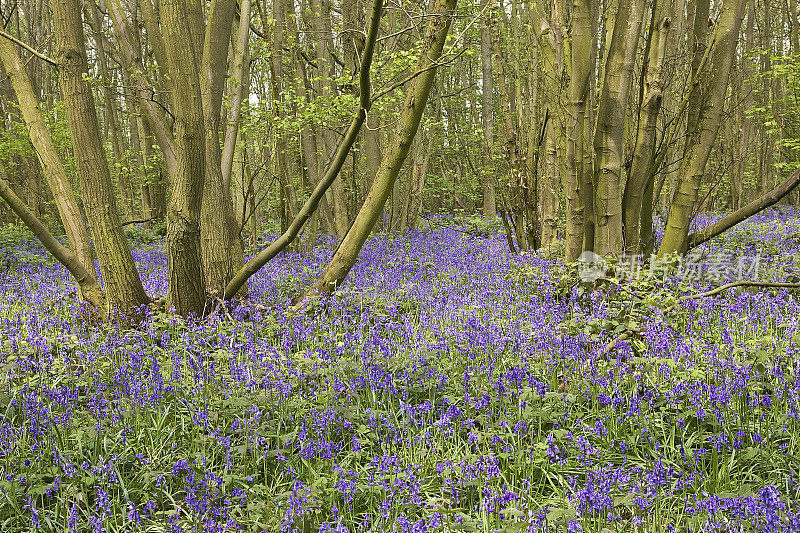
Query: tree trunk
[(701, 137), (410, 115), (489, 195), (221, 245), (186, 293), (240, 88), (578, 182), (123, 285), (326, 87), (747, 87), (641, 174), (111, 120), (609, 139), (131, 55), (54, 172)]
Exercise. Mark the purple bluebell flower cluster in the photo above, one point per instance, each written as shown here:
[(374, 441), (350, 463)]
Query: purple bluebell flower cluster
[(447, 386)]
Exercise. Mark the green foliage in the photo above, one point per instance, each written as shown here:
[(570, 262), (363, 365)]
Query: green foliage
[(139, 235), (18, 247), (777, 92)]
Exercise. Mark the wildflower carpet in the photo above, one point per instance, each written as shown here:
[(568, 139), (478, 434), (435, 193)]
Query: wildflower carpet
[(448, 386)]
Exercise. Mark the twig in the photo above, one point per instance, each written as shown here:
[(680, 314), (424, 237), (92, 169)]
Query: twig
[(418, 73), (627, 334), (727, 286), (128, 223), (28, 48)]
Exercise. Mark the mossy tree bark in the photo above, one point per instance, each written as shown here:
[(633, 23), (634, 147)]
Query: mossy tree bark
[(578, 182), (609, 139), (410, 115), (186, 292), (637, 202), (53, 168), (709, 97), (221, 245), (122, 283)]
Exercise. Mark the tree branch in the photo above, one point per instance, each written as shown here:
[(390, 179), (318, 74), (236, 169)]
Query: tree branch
[(721, 288), (340, 156), (769, 199), (29, 48)]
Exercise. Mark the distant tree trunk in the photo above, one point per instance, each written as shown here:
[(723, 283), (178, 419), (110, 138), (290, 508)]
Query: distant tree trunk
[(123, 285), (111, 120), (702, 135), (420, 169), (747, 87), (310, 150), (127, 37), (521, 192), (54, 172), (410, 115), (334, 169), (767, 100), (136, 156), (489, 195), (326, 87), (186, 292)]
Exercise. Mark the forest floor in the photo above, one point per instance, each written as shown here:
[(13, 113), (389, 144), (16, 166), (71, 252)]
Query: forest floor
[(448, 386)]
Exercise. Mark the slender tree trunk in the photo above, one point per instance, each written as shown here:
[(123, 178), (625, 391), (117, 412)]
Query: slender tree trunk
[(410, 115), (326, 87), (111, 119), (136, 157), (131, 55), (122, 282), (747, 87), (240, 88), (56, 175), (489, 195), (701, 137), (521, 190)]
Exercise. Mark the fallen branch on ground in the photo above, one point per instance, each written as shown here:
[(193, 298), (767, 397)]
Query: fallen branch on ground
[(627, 334)]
